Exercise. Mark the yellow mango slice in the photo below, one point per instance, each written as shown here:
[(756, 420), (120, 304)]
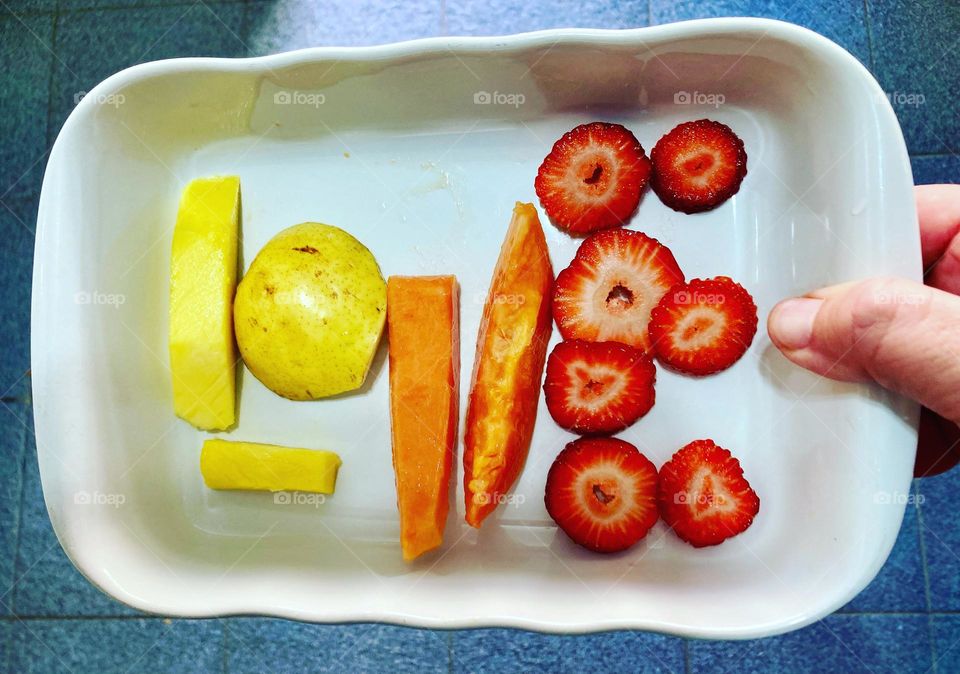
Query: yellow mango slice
[(253, 466), (203, 279)]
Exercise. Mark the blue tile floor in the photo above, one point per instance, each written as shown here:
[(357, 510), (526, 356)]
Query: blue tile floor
[(52, 620)]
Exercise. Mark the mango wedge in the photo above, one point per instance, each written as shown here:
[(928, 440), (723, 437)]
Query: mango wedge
[(511, 350), (256, 467), (203, 279)]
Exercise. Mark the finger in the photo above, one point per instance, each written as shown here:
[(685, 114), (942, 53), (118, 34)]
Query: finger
[(900, 334), (938, 210)]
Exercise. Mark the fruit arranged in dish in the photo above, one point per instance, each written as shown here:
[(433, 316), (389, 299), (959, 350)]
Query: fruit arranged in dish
[(616, 278), (605, 495), (423, 331), (602, 492), (258, 467), (511, 349), (704, 496), (703, 326), (698, 165), (307, 318), (203, 277), (309, 312), (621, 301), (598, 387), (593, 178)]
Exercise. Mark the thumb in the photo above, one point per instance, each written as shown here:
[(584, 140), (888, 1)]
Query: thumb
[(900, 334)]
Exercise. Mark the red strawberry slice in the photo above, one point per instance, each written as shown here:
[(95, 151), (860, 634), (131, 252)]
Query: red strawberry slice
[(698, 165), (593, 178), (610, 287), (703, 326), (703, 495), (602, 493), (598, 387)]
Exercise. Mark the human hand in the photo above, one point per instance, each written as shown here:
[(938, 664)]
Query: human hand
[(898, 333)]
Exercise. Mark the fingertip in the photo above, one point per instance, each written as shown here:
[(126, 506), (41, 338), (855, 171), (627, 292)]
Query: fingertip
[(791, 322)]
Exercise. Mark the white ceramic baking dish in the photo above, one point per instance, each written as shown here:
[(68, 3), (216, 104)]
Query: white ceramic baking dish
[(420, 150)]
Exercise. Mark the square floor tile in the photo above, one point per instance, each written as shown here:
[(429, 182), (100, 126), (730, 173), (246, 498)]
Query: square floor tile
[(916, 43), (75, 5), (18, 217), (936, 169), (499, 650), (125, 37), (47, 582), (946, 642), (25, 58), (122, 646), (280, 25), (283, 646), (502, 17), (22, 8), (900, 585), (842, 22), (940, 529), (873, 644)]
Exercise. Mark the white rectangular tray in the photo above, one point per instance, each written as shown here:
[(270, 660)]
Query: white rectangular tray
[(420, 150)]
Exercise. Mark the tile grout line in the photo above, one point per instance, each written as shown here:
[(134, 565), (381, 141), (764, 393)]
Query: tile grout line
[(931, 634), (686, 657), (22, 499), (16, 548), (926, 577), (939, 155), (449, 651), (225, 645), (128, 617), (25, 14), (84, 9), (923, 546), (9, 653), (51, 76), (245, 27)]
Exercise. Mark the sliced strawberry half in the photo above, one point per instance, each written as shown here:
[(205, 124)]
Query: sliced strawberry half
[(703, 495), (602, 492), (598, 387), (698, 165), (703, 326), (610, 287), (593, 178)]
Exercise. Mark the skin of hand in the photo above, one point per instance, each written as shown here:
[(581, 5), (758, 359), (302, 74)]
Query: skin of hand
[(900, 334)]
